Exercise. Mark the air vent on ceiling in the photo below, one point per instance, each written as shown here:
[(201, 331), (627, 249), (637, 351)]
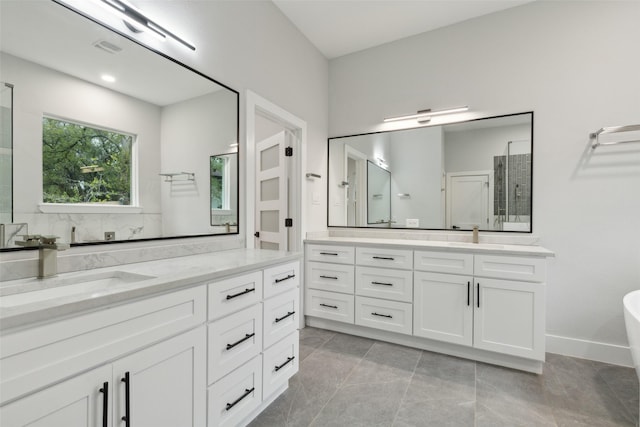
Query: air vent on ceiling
[(107, 47)]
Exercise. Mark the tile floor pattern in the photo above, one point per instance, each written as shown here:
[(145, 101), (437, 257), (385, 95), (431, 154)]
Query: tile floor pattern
[(351, 381)]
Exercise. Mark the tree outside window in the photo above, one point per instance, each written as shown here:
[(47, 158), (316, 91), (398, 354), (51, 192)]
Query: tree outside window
[(84, 164)]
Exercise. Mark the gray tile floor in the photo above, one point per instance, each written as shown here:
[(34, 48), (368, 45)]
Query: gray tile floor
[(352, 381)]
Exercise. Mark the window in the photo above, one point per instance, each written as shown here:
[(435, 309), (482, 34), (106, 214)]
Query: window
[(85, 164), (219, 167)]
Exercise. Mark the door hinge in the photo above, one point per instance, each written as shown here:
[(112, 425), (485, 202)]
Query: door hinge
[(257, 234), (288, 151), (288, 222)]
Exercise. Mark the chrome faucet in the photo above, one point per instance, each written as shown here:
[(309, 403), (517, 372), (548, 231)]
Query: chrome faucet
[(47, 252)]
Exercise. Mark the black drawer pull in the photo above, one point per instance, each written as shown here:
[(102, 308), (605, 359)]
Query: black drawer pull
[(382, 283), (127, 400), (247, 392), (289, 359), (246, 337), (384, 257), (329, 277), (290, 313), (468, 294), (291, 276), (328, 253), (105, 403), (246, 291), (330, 306), (478, 294), (383, 315)]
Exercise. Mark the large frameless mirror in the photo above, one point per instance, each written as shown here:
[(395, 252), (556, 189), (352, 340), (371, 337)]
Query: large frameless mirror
[(108, 139), (453, 176)]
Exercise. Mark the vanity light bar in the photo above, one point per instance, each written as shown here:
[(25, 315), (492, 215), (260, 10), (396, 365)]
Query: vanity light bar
[(424, 116), (135, 17)]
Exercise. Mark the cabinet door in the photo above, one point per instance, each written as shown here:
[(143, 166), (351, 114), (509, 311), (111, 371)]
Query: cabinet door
[(166, 383), (509, 317), (443, 307), (77, 402)]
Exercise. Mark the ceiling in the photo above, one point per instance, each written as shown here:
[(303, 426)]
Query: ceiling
[(340, 27)]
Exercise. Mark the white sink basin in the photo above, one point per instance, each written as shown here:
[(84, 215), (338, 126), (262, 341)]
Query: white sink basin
[(37, 290)]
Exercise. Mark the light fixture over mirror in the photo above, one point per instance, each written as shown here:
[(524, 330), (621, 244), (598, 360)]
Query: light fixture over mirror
[(453, 176), (168, 118), (424, 116)]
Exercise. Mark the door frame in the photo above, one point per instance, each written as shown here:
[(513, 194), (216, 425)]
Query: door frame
[(257, 105), (450, 175), (361, 198)]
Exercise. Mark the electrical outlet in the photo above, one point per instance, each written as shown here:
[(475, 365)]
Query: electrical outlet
[(413, 223), (109, 235)]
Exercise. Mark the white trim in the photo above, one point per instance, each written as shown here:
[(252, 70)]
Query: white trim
[(592, 350), (96, 208), (256, 104)]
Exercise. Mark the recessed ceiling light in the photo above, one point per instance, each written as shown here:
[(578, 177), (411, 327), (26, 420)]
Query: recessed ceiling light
[(108, 78)]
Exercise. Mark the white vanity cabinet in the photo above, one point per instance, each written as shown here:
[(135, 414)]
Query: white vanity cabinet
[(253, 351), (214, 353), (485, 306), (163, 381)]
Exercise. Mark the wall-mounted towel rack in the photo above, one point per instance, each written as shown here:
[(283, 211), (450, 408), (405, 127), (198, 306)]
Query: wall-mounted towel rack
[(178, 176), (595, 136)]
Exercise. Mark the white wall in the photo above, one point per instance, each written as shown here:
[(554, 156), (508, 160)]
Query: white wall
[(192, 131), (416, 162), (574, 65)]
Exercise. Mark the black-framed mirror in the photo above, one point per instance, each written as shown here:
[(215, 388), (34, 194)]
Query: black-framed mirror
[(95, 79), (448, 177)]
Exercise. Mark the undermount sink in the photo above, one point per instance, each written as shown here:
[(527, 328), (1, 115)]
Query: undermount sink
[(475, 245), (37, 290)]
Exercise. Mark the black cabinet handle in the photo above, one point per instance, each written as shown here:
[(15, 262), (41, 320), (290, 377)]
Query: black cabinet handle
[(105, 403), (246, 291), (289, 359), (330, 306), (382, 283), (328, 253), (291, 276), (247, 392), (383, 315), (478, 294), (127, 400), (468, 294), (290, 313), (246, 337), (329, 277), (384, 257)]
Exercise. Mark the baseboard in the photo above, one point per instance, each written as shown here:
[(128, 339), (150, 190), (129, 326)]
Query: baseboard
[(583, 349)]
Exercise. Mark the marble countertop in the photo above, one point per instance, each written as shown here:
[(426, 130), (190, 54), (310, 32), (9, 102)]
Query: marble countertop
[(480, 248), (138, 280)]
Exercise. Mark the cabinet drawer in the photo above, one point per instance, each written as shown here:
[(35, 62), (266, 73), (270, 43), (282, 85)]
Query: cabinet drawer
[(392, 258), (281, 278), (330, 253), (510, 267), (443, 262), (233, 340), (236, 396), (384, 283), (281, 314), (236, 293), (387, 315), (329, 305), (280, 363), (330, 277), (48, 353)]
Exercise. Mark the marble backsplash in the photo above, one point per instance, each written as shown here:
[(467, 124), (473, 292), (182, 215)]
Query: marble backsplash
[(22, 264)]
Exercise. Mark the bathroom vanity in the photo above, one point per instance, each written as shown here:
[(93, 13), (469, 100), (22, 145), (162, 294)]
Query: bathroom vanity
[(479, 301), (207, 339)]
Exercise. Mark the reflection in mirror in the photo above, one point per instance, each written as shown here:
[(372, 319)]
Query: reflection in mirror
[(6, 150), (224, 191), (453, 176), (378, 195), (140, 127)]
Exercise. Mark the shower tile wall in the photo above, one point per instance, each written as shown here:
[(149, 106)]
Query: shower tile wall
[(519, 182)]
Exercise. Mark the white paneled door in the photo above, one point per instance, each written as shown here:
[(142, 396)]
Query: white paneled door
[(271, 193), (468, 203)]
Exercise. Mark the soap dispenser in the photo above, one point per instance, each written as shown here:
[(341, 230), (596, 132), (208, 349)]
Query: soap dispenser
[(475, 234)]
